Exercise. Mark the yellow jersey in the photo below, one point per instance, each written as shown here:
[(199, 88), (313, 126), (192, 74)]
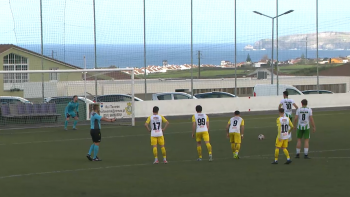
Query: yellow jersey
[(284, 125), (201, 121), (235, 124), (155, 121)]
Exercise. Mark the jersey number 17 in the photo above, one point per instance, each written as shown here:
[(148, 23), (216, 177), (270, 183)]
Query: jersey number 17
[(155, 126)]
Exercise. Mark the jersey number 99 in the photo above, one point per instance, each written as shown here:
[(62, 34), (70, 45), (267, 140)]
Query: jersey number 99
[(201, 121)]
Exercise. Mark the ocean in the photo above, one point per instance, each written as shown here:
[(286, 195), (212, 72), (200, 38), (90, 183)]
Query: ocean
[(133, 55)]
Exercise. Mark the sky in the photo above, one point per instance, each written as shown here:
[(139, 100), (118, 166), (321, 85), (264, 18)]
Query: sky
[(167, 21)]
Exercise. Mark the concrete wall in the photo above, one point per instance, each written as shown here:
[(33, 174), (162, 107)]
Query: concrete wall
[(155, 86), (229, 105)]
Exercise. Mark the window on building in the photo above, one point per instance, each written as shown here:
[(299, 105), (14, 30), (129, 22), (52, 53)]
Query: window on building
[(54, 76), (13, 62)]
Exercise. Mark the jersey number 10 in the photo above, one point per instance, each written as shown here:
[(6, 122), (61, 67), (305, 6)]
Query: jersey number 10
[(289, 106), (284, 128)]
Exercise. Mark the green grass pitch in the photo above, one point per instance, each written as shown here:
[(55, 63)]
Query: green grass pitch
[(51, 162)]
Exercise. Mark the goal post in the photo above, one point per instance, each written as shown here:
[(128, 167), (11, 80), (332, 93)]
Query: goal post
[(36, 97)]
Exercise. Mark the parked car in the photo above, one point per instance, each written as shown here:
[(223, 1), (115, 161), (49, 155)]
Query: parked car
[(171, 96), (66, 100), (317, 92), (214, 95), (116, 98), (271, 90), (13, 100)]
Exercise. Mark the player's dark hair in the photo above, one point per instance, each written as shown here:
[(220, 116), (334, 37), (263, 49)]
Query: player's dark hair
[(281, 110), (155, 109), (95, 107), (75, 96), (237, 113), (199, 108), (285, 93), (304, 102)]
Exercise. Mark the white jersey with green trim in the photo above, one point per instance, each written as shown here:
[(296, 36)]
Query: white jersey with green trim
[(304, 114), (287, 105)]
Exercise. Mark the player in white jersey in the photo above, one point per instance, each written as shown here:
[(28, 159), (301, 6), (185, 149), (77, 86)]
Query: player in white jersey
[(201, 127), (287, 103), (235, 131), (284, 127), (156, 122), (304, 118)]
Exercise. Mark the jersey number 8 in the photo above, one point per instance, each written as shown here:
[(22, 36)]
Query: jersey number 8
[(201, 121), (303, 117)]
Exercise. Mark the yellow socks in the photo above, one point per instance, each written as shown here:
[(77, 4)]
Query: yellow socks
[(155, 152), (209, 148), (286, 153), (238, 147), (233, 147), (199, 150), (163, 152), (277, 152)]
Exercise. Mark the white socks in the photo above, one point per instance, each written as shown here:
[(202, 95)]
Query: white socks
[(306, 151), (298, 150)]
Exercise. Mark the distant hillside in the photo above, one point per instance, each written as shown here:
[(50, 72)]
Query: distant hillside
[(327, 41)]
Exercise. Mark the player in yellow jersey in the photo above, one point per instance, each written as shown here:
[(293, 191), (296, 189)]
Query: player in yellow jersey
[(235, 131), (157, 138), (284, 126), (201, 127)]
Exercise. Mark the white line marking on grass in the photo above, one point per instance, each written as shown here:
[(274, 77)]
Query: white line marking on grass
[(149, 163), (116, 136)]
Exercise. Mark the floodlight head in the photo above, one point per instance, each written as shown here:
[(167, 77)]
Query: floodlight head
[(256, 12), (290, 11)]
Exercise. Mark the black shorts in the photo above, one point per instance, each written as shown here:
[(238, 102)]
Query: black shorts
[(95, 135)]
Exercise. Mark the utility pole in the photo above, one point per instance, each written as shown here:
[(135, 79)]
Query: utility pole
[(306, 48), (199, 64), (52, 54)]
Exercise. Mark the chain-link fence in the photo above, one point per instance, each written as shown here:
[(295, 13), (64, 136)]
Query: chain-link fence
[(191, 46)]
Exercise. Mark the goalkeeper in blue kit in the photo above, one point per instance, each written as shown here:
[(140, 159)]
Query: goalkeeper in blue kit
[(72, 110)]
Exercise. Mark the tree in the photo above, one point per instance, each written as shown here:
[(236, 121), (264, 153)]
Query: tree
[(265, 58), (248, 58)]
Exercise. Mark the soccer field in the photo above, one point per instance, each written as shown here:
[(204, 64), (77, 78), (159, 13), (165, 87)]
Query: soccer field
[(51, 162)]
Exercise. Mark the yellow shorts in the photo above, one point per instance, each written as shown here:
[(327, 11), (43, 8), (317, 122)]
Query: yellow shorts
[(204, 135), (282, 143), (157, 140), (235, 138)]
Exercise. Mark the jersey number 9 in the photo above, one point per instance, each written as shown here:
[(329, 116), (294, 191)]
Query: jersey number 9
[(234, 123)]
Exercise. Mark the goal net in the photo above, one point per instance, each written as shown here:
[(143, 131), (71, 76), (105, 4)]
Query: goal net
[(32, 98)]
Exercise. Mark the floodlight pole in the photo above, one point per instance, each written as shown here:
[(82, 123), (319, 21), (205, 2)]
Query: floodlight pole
[(273, 23), (272, 47)]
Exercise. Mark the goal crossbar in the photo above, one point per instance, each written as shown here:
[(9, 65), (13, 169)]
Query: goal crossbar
[(67, 71)]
